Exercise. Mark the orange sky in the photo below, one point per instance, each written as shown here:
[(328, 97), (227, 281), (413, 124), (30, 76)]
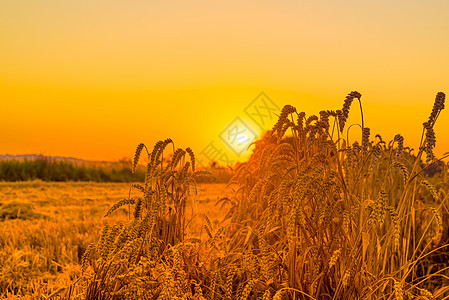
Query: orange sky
[(92, 79)]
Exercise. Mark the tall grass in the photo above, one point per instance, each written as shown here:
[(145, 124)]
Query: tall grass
[(343, 221), (313, 217), (154, 238)]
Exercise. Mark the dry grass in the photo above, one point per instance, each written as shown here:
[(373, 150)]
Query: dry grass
[(41, 252), (45, 236)]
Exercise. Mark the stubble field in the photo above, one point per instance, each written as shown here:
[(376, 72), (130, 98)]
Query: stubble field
[(45, 227)]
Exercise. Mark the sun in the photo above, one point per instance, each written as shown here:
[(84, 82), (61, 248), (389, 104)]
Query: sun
[(242, 139)]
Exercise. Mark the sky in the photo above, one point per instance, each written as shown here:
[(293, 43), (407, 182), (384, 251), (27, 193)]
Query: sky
[(93, 79)]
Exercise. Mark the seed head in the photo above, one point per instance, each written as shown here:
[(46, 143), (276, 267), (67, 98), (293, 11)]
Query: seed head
[(346, 106), (398, 138), (365, 140), (438, 105)]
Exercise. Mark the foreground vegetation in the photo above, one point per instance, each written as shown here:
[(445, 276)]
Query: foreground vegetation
[(312, 216)]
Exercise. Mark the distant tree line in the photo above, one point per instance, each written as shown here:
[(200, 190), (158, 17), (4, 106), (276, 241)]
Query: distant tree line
[(50, 170)]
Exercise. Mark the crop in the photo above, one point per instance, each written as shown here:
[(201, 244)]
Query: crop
[(313, 216)]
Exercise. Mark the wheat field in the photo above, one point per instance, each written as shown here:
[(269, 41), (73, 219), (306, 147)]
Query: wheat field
[(46, 227), (310, 215)]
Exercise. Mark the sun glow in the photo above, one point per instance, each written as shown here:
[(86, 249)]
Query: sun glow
[(101, 78)]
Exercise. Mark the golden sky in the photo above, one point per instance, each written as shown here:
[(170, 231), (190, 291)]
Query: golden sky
[(92, 79)]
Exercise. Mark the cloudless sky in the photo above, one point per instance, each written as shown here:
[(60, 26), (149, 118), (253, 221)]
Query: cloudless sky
[(92, 79)]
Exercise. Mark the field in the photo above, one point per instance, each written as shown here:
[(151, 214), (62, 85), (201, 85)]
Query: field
[(310, 215), (45, 228)]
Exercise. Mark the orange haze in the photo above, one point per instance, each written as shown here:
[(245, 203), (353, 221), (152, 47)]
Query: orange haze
[(92, 79)]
